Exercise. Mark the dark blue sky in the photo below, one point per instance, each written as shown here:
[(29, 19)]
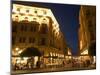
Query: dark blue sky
[(68, 19)]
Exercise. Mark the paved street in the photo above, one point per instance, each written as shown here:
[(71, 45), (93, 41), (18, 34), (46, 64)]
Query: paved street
[(54, 69)]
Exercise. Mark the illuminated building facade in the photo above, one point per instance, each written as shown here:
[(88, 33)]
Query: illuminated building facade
[(36, 27), (87, 30), (69, 54)]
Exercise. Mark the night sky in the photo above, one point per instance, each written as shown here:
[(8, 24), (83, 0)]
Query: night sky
[(68, 19)]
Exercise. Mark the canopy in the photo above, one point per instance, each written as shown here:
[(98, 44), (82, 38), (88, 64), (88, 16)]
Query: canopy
[(31, 51)]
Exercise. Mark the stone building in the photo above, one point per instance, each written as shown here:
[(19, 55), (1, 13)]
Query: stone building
[(34, 26), (87, 31)]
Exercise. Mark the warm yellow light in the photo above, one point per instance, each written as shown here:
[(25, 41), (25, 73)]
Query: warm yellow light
[(53, 54), (51, 58), (69, 53), (50, 53), (40, 11), (84, 52), (94, 59), (81, 44), (56, 54), (17, 49), (25, 58), (69, 57), (18, 61), (22, 61)]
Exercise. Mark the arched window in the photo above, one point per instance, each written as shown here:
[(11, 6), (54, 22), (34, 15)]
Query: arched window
[(35, 11), (44, 29), (34, 19), (45, 20), (16, 18), (34, 26), (26, 18), (23, 26), (43, 41)]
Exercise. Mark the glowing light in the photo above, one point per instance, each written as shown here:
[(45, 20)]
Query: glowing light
[(56, 54), (81, 44), (84, 52), (35, 59), (50, 53), (69, 53), (22, 61), (94, 59), (18, 61), (25, 58), (53, 54), (17, 49), (69, 57)]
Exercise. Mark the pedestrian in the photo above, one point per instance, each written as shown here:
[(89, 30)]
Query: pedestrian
[(38, 64)]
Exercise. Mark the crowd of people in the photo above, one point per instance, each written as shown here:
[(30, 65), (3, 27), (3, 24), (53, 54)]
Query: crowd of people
[(41, 64), (28, 65)]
